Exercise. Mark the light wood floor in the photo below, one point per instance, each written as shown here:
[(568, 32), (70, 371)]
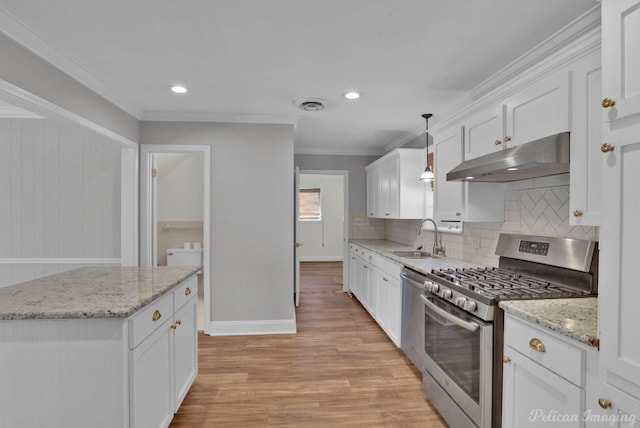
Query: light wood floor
[(339, 370)]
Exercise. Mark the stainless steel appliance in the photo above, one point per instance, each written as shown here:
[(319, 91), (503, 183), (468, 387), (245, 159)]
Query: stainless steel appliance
[(463, 326), (412, 338)]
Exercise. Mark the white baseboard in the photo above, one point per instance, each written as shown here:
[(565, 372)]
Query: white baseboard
[(244, 328), (321, 259)]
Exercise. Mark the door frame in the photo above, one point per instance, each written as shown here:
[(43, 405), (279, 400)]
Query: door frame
[(345, 218), (146, 210)]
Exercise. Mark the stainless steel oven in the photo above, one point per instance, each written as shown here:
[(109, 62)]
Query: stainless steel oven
[(458, 368)]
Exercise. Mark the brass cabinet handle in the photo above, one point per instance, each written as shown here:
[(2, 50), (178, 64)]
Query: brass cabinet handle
[(604, 403), (173, 326), (506, 360), (156, 315), (498, 142), (537, 345), (187, 291), (507, 139), (179, 322), (608, 102), (577, 213), (606, 148)]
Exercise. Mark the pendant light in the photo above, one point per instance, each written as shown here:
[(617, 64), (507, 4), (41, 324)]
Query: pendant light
[(427, 175)]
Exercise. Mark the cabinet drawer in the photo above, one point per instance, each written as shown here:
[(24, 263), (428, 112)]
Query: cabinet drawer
[(185, 292), (560, 356), (149, 318)]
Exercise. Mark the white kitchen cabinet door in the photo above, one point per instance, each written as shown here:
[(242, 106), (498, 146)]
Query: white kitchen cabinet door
[(389, 192), (373, 192), (484, 132), (371, 285), (621, 58), (539, 110), (394, 309), (185, 350), (606, 408), (618, 292), (586, 138), (354, 274), (151, 386), (447, 154), (531, 392), (382, 308)]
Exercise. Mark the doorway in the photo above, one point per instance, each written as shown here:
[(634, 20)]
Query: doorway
[(324, 234), (175, 186)]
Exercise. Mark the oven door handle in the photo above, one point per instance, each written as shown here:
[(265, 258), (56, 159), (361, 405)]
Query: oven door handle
[(471, 326), (413, 282)]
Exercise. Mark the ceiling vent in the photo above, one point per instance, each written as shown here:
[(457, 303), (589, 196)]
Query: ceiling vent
[(311, 104)]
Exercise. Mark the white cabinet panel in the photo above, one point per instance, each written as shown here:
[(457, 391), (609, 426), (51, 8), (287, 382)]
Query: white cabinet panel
[(447, 154), (186, 350), (539, 110), (484, 132), (586, 138)]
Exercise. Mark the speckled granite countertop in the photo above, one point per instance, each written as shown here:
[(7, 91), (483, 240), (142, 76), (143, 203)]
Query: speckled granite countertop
[(90, 292), (385, 248), (575, 318)]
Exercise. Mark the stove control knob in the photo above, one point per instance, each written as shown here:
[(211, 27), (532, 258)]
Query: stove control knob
[(447, 294), (461, 301), (434, 288), (470, 306)]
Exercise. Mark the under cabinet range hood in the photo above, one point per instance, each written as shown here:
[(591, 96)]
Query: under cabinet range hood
[(539, 158)]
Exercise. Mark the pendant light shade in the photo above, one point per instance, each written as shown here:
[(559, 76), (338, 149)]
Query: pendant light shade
[(427, 174)]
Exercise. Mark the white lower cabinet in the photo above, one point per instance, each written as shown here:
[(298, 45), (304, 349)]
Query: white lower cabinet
[(164, 365), (544, 377), (375, 281)]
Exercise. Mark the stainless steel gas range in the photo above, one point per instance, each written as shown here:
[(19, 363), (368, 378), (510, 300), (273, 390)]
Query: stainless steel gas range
[(463, 326)]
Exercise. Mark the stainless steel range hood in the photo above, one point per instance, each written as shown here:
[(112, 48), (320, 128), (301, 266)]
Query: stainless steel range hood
[(539, 158)]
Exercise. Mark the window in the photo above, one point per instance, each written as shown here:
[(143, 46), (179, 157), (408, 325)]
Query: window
[(310, 205)]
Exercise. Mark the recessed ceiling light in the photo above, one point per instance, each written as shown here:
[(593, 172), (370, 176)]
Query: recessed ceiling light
[(512, 169), (178, 89), (351, 95), (469, 178)]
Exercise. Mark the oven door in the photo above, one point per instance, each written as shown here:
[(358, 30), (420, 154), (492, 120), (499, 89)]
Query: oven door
[(459, 355)]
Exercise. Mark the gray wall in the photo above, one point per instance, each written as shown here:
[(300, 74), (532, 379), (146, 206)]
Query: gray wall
[(357, 177), (22, 68), (251, 215)]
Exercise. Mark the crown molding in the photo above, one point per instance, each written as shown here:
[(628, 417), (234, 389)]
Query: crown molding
[(571, 32), (11, 112), (19, 32), (334, 151), (176, 116)]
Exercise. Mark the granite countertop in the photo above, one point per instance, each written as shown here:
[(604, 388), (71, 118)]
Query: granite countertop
[(90, 292), (575, 318), (385, 248)]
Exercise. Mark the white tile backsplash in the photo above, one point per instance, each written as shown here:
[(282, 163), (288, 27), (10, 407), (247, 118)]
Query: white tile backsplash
[(539, 211)]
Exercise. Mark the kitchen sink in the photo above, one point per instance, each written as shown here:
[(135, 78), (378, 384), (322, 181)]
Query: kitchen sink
[(413, 254)]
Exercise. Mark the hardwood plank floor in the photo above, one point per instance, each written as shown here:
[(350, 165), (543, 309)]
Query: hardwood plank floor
[(339, 370)]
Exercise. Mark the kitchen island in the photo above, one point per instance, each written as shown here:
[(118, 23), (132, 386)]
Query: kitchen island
[(98, 346)]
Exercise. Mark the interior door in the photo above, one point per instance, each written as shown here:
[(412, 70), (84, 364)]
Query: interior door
[(296, 235)]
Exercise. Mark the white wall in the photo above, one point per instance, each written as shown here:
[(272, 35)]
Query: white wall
[(323, 240), (180, 186), (251, 237), (59, 198)]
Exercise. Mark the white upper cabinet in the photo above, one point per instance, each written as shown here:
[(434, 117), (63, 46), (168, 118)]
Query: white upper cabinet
[(621, 60), (619, 292), (586, 138), (538, 110), (484, 132), (447, 154), (393, 186)]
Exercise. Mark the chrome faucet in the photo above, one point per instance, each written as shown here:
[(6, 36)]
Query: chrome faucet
[(438, 249)]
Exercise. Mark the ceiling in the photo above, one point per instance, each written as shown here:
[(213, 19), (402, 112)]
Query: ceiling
[(249, 60)]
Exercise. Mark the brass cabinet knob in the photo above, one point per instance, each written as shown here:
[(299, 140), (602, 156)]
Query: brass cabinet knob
[(366, 267), (498, 142), (385, 279), (537, 345), (506, 360), (608, 102), (179, 322), (507, 139), (458, 214), (577, 213), (353, 258), (606, 148), (370, 213), (173, 326), (187, 291), (604, 403), (387, 214), (156, 315)]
